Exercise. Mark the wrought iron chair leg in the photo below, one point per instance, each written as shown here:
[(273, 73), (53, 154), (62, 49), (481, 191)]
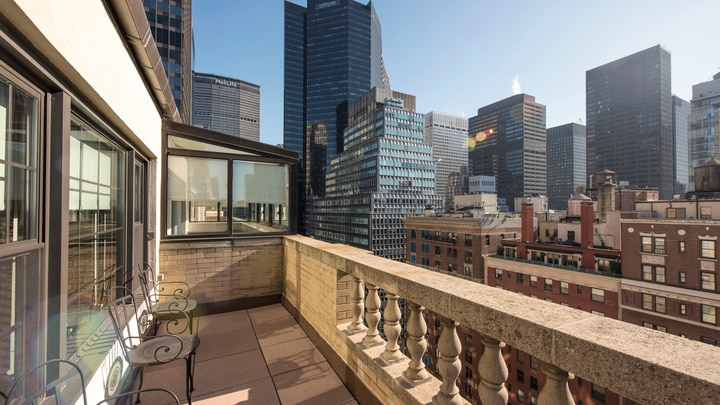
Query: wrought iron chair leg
[(188, 380), (142, 377)]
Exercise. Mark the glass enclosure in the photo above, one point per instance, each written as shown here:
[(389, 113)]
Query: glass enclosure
[(225, 191)]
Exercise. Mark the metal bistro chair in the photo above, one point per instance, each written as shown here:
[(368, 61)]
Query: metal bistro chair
[(161, 297), (34, 387), (141, 351)]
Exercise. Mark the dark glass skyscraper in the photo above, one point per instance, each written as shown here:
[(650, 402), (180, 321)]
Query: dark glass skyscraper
[(507, 140), (566, 163), (629, 120), (171, 26), (332, 56)]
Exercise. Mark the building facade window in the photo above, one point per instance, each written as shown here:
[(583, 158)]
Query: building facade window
[(654, 303), (682, 277), (533, 281), (650, 244), (548, 284), (708, 314), (707, 249), (653, 273), (707, 281), (708, 340), (533, 383), (681, 246), (533, 363), (564, 287), (468, 270), (487, 240), (520, 278), (597, 295), (682, 309), (598, 393), (520, 396), (676, 213), (705, 213), (498, 274), (468, 239)]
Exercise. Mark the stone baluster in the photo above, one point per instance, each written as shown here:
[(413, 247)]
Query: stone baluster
[(448, 364), (372, 317), (392, 329), (493, 373), (416, 345), (358, 292), (556, 390)]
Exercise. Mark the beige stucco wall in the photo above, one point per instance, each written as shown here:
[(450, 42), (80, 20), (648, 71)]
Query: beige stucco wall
[(80, 40)]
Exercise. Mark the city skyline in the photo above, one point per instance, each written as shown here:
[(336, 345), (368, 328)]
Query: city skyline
[(458, 79)]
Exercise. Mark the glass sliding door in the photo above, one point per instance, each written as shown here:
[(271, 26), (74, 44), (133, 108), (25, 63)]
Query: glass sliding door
[(96, 226)]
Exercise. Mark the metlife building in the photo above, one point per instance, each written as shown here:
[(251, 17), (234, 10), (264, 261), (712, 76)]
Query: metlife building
[(226, 105)]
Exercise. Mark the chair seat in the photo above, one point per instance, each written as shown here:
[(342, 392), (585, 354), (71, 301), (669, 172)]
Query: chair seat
[(163, 349), (186, 306)]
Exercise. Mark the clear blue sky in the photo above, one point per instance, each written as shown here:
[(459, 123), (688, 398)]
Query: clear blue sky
[(456, 56)]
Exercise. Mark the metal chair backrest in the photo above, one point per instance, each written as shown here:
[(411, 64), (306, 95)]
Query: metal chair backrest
[(166, 396), (51, 379), (146, 274), (123, 309)]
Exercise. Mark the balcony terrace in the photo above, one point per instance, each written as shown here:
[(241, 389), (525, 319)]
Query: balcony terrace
[(323, 287)]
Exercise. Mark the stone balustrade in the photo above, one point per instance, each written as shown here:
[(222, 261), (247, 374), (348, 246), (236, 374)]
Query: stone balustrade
[(324, 287)]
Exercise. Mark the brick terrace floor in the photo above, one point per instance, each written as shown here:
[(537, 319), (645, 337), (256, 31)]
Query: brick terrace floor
[(256, 356)]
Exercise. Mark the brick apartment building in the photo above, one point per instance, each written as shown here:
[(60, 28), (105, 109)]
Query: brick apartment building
[(578, 275), (670, 267), (456, 244)]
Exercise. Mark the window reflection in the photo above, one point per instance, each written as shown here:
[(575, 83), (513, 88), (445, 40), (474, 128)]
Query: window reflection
[(18, 171), (96, 212)]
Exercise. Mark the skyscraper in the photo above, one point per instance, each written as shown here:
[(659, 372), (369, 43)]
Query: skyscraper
[(704, 124), (566, 163), (332, 56), (384, 173), (680, 121), (507, 140), (447, 135), (171, 26), (629, 119), (226, 105)]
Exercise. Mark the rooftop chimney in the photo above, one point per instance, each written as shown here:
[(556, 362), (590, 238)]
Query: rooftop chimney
[(528, 228), (587, 217)]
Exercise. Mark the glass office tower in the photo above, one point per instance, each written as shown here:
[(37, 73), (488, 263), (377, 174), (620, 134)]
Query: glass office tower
[(171, 26), (385, 172), (704, 131), (681, 121), (332, 56), (629, 120), (566, 163), (507, 139), (447, 135)]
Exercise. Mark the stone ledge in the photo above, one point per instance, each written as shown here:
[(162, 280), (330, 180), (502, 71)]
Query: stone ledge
[(643, 365)]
